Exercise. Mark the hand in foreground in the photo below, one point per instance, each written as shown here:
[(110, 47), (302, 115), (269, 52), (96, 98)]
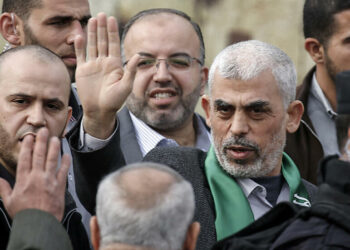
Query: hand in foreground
[(102, 84), (38, 184)]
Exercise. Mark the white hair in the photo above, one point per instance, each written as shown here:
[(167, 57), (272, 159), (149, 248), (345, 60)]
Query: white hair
[(160, 224), (246, 60)]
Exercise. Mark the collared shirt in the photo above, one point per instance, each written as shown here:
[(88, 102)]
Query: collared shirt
[(256, 195), (322, 117), (148, 138)]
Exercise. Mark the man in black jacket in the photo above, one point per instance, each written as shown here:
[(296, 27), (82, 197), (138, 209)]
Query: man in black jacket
[(326, 225), (35, 87), (250, 107)]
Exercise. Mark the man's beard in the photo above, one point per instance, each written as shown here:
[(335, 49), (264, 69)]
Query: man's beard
[(265, 162), (332, 70), (170, 119), (31, 39), (7, 148)]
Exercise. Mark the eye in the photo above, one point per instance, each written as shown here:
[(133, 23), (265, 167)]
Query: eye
[(224, 111), (180, 62), (146, 62), (84, 22), (20, 101), (53, 106), (62, 22)]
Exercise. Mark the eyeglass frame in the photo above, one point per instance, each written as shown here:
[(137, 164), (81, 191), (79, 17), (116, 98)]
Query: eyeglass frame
[(157, 60)]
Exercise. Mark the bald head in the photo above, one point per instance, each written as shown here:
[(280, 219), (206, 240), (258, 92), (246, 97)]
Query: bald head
[(146, 205)]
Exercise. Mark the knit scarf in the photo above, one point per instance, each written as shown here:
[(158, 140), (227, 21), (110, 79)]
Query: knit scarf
[(232, 208)]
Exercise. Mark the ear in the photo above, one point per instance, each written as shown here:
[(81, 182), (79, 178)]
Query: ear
[(191, 236), (206, 108), (315, 50), (204, 79), (295, 112), (9, 28), (95, 233), (69, 115)]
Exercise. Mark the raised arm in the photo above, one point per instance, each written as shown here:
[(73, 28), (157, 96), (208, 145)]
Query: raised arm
[(102, 83)]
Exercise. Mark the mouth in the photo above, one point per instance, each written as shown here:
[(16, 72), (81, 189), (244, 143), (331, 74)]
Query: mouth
[(70, 59), (163, 97), (238, 152)]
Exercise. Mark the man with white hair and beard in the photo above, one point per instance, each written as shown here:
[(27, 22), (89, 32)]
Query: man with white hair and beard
[(250, 107)]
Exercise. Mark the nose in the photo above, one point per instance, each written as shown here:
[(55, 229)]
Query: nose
[(75, 29), (36, 116), (162, 73), (239, 124)]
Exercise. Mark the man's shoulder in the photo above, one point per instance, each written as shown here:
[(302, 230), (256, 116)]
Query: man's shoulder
[(182, 159), (310, 188), (303, 90)]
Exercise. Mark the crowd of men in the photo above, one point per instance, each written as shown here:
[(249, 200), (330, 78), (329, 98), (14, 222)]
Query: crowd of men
[(80, 170)]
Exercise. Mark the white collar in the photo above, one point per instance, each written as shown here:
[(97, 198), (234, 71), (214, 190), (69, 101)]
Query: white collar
[(317, 91)]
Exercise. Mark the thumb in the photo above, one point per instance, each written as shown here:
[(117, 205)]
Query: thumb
[(129, 73), (5, 190)]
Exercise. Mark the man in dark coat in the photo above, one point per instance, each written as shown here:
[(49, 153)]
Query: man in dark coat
[(326, 25), (31, 99), (250, 107)]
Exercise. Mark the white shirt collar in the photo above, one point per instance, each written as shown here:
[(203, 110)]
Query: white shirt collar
[(149, 138), (317, 91)]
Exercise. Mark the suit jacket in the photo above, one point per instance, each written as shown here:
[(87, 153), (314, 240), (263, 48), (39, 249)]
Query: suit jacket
[(35, 229), (189, 162), (130, 147), (303, 146)]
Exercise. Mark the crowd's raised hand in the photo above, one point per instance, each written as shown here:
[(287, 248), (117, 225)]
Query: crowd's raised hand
[(102, 83), (39, 184)]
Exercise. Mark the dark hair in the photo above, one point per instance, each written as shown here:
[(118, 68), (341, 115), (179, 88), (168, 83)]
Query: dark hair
[(318, 18), (21, 8), (170, 11), (342, 124)]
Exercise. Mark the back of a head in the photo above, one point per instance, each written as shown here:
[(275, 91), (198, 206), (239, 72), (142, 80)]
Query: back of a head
[(146, 205), (246, 60), (318, 18)]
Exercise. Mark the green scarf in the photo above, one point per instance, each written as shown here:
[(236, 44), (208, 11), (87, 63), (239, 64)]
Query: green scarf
[(233, 211)]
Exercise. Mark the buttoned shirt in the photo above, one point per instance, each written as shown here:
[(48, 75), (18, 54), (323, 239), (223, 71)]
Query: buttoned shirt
[(147, 138), (256, 195), (323, 118)]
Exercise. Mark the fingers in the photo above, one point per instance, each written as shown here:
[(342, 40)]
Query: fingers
[(40, 149), (52, 155), (92, 38), (5, 190), (113, 37), (25, 157), (63, 171), (130, 71), (79, 46), (102, 38)]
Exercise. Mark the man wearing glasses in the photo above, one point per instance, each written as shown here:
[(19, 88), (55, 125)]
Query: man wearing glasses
[(170, 78)]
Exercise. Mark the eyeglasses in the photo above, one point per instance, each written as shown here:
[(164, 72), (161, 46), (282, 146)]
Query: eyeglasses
[(174, 63)]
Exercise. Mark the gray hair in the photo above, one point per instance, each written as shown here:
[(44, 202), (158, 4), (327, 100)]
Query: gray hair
[(159, 220), (246, 60), (157, 11)]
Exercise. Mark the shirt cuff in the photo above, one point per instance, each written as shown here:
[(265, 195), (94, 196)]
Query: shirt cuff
[(88, 143)]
